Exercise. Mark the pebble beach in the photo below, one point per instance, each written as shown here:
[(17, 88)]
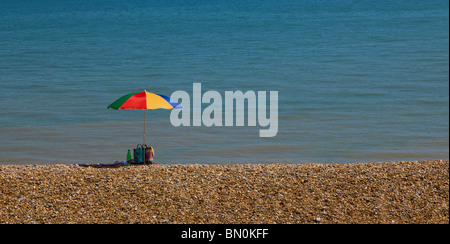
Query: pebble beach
[(363, 193)]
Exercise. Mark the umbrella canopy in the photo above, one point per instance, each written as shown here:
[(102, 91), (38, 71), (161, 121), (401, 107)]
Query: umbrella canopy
[(143, 101)]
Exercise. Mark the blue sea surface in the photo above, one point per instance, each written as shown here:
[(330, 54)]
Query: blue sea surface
[(358, 81)]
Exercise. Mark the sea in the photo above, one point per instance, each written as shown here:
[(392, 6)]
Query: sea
[(357, 81)]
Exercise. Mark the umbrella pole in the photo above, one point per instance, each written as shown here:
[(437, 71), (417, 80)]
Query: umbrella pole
[(144, 128), (143, 145)]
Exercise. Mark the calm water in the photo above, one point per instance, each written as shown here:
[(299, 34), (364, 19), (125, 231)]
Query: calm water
[(358, 81)]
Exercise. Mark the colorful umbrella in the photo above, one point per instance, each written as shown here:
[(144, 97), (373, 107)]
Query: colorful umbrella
[(143, 101)]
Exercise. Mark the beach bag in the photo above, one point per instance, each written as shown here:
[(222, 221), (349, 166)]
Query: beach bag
[(149, 153), (139, 153)]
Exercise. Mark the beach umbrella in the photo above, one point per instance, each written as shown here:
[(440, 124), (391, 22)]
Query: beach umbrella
[(143, 101)]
